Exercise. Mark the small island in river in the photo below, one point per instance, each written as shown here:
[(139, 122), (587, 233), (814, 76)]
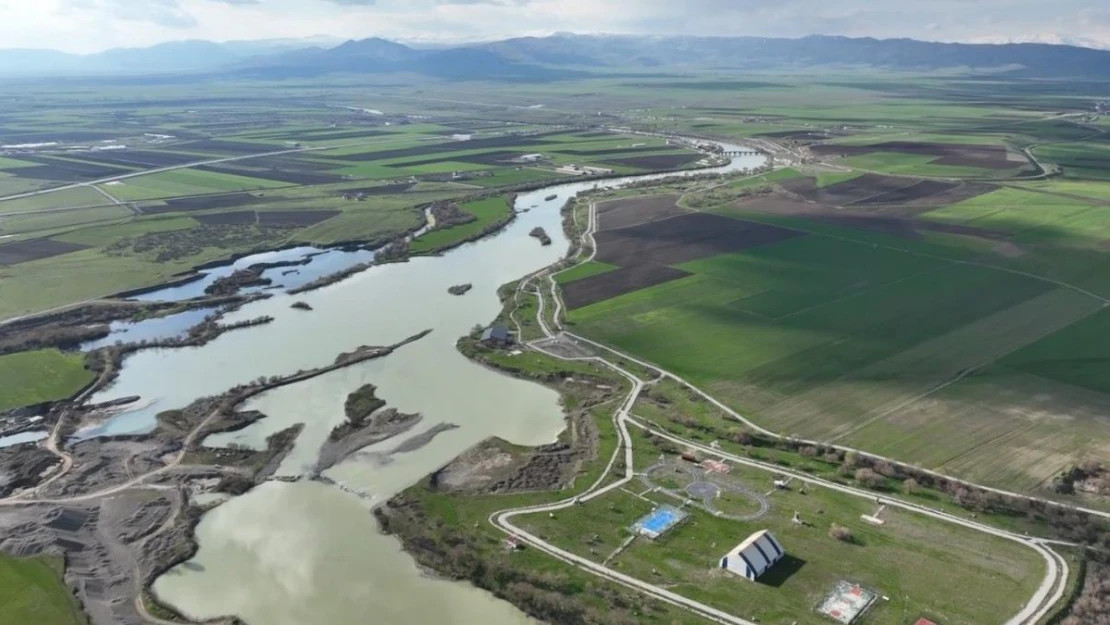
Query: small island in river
[(540, 234), (460, 289)]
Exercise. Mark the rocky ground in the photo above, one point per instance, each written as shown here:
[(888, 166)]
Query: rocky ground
[(118, 508)]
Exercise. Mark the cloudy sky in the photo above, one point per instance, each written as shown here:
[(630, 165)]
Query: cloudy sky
[(92, 25)]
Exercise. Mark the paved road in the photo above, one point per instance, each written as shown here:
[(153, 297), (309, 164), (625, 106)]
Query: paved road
[(147, 172)]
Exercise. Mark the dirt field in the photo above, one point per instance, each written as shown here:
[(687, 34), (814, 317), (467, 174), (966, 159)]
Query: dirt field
[(385, 189), (660, 234), (611, 284), (903, 227), (658, 161), (201, 202), (983, 156), (140, 158), (849, 191), (218, 146), (887, 194), (616, 214), (797, 135), (684, 238), (236, 218), (451, 146), (291, 177), (35, 249), (59, 169)]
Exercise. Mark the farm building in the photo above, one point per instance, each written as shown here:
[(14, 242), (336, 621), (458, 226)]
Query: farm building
[(497, 336), (755, 556), (529, 158)]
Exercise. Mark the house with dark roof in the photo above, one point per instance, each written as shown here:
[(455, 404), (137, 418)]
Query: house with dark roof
[(497, 336)]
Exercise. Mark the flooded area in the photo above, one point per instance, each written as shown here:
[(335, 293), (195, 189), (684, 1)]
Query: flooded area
[(23, 437), (317, 263), (294, 553), (156, 329)]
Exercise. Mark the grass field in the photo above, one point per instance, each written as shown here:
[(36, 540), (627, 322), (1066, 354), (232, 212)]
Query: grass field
[(36, 377), (584, 270), (836, 339), (185, 182), (1085, 160), (32, 593), (924, 566), (488, 212), (66, 198), (917, 165)]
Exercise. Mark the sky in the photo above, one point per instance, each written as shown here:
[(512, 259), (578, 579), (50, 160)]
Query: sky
[(85, 26)]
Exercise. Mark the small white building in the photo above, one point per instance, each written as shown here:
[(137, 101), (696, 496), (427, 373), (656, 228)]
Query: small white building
[(529, 158), (755, 556)]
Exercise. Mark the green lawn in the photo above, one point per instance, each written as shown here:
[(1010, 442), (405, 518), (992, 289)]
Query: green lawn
[(30, 378), (488, 212), (32, 593)]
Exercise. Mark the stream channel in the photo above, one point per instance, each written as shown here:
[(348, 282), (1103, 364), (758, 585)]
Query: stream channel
[(305, 553)]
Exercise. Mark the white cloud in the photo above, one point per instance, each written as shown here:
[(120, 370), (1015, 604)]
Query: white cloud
[(89, 25)]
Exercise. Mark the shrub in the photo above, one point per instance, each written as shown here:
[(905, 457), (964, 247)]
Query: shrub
[(869, 478), (841, 533)]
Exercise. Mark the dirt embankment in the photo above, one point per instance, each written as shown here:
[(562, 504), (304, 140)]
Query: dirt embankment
[(383, 425)]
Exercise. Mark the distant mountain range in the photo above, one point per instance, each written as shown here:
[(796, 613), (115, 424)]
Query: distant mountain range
[(541, 58)]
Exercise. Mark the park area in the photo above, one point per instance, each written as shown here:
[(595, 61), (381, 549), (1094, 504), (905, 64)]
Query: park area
[(914, 564)]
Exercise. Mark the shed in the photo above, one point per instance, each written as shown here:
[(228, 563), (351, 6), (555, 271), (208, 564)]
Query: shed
[(755, 556)]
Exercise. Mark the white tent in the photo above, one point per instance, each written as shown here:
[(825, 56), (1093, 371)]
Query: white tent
[(755, 556)]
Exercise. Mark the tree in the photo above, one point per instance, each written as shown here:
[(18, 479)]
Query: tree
[(910, 486), (869, 478)]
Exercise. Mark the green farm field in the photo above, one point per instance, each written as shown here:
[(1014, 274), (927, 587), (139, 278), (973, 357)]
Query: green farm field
[(32, 593), (41, 376), (857, 338), (487, 212)]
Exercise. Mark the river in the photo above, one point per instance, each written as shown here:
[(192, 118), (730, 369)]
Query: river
[(292, 554)]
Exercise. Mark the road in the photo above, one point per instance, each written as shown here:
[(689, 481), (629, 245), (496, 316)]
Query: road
[(1047, 595), (147, 172)]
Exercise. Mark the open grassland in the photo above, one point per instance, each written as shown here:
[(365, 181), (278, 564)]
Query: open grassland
[(184, 182), (32, 593), (1084, 160), (487, 213), (916, 165), (44, 222), (36, 377), (924, 566), (866, 342), (66, 198)]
